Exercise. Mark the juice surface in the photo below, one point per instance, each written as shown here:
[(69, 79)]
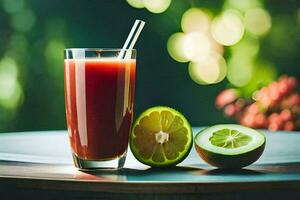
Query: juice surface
[(99, 97)]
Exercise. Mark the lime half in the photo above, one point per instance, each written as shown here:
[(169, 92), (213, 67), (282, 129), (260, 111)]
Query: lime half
[(230, 145), (161, 136)]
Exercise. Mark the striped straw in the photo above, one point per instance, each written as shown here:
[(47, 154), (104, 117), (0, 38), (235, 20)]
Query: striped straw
[(131, 39)]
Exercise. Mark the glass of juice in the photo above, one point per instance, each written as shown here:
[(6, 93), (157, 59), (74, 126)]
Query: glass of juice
[(99, 94)]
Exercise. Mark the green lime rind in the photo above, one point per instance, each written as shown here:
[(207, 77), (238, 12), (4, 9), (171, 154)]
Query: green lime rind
[(167, 163), (230, 158)]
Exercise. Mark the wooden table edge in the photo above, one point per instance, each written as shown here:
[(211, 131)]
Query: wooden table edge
[(145, 187)]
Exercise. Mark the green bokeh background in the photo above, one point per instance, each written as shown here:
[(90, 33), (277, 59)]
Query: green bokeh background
[(34, 33)]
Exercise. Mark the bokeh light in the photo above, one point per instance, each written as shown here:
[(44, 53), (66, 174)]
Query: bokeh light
[(246, 49), (13, 6), (23, 21), (196, 46), (54, 57), (157, 6), (215, 46), (242, 61), (211, 70), (195, 20), (196, 42), (10, 88), (15, 97), (228, 28), (242, 5), (175, 47), (239, 71), (222, 67), (257, 21), (136, 3)]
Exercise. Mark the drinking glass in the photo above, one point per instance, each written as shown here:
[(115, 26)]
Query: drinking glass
[(99, 95)]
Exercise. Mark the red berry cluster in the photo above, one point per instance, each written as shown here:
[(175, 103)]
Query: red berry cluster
[(274, 107)]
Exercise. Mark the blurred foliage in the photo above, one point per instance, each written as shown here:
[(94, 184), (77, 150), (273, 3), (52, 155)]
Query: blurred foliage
[(33, 34)]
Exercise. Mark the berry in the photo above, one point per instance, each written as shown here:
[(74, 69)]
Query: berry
[(226, 97), (286, 115), (275, 106), (230, 110)]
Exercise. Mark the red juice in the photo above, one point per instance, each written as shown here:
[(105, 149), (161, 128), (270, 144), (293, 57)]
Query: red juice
[(99, 97)]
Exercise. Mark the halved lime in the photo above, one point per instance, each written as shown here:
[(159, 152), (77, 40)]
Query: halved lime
[(229, 145), (161, 136)]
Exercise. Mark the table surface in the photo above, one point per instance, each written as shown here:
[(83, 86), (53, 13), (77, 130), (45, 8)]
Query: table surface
[(43, 160)]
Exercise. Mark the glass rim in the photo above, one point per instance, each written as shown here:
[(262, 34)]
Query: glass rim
[(100, 49)]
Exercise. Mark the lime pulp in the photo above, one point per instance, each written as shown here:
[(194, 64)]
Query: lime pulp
[(229, 138), (161, 136)]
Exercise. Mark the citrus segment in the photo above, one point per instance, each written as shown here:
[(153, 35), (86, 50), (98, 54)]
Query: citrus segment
[(179, 138), (166, 119), (176, 124), (158, 155), (151, 122), (170, 150)]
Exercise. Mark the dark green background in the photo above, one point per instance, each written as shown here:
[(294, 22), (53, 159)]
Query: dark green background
[(160, 79)]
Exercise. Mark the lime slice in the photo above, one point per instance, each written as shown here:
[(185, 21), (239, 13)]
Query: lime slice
[(229, 145), (161, 136)]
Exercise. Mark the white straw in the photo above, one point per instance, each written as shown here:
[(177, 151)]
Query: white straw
[(132, 38)]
